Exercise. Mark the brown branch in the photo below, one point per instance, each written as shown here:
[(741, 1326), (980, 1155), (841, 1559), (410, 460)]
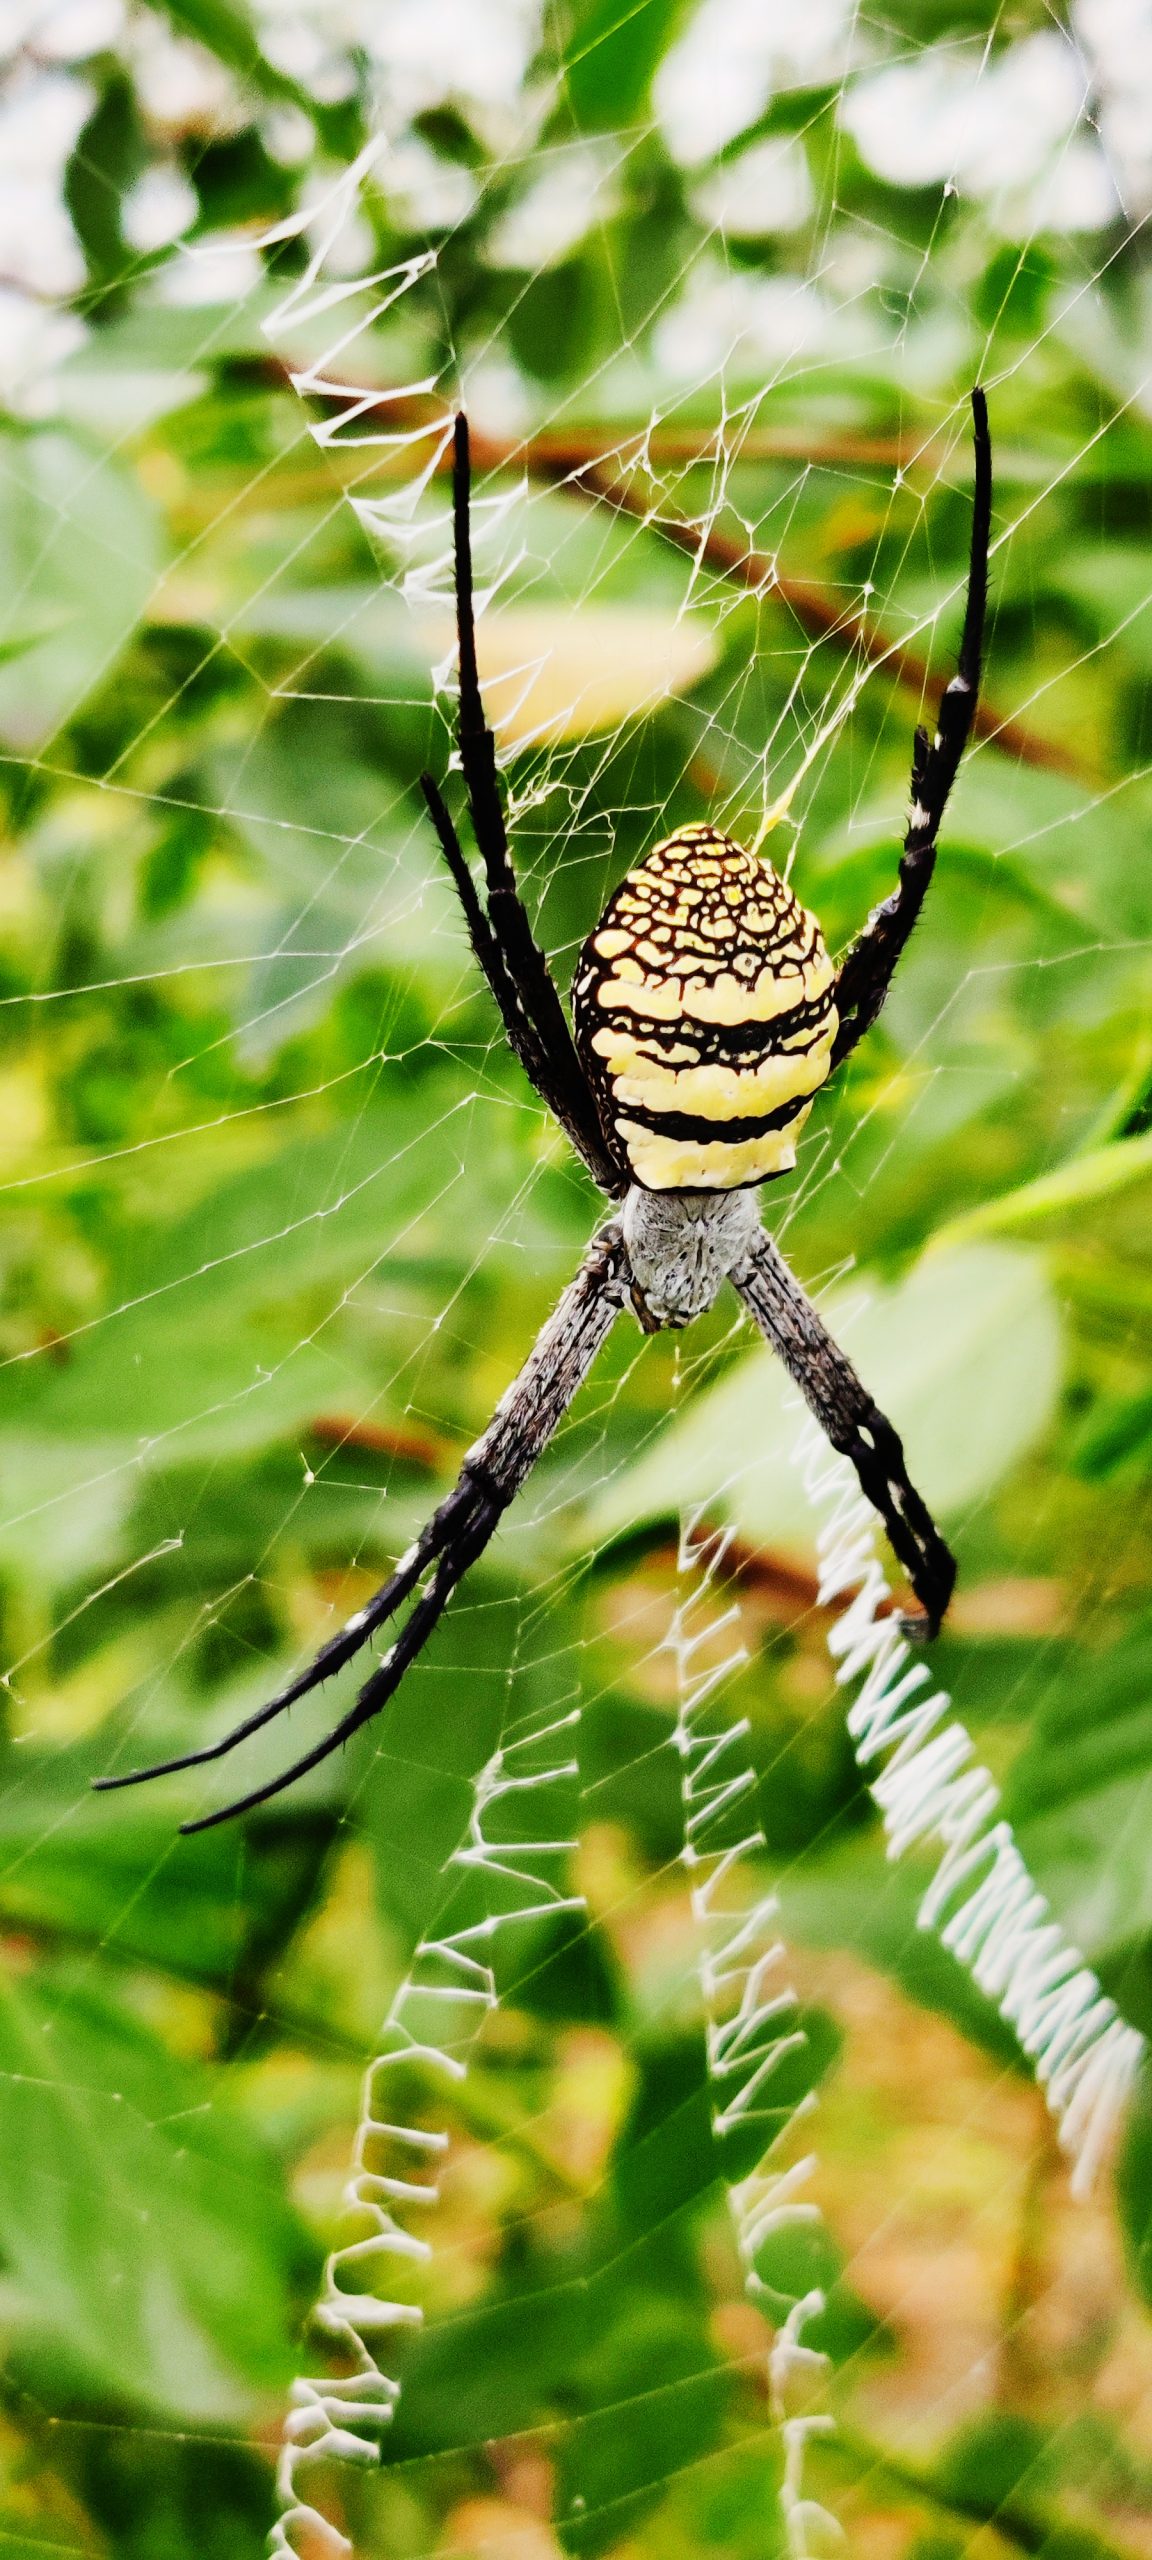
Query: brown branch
[(782, 1587), (1022, 2371), (576, 458), (574, 448), (816, 610), (579, 449), (420, 1446)]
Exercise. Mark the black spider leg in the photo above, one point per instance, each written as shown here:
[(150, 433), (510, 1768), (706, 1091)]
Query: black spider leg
[(866, 971), (851, 1421), (501, 936), (523, 1037), (457, 1533)]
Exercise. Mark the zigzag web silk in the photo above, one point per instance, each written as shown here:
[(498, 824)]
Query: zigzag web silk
[(439, 2012), (930, 1788), (982, 1902), (432, 2026), (750, 2010)]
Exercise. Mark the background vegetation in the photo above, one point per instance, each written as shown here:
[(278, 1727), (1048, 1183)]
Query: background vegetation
[(280, 1219)]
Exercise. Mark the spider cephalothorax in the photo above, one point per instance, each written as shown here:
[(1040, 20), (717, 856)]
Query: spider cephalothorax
[(707, 1015)]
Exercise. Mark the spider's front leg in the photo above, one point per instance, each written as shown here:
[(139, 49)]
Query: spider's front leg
[(498, 926), (852, 1422), (867, 969)]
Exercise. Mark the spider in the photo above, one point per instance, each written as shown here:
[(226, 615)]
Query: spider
[(706, 1016)]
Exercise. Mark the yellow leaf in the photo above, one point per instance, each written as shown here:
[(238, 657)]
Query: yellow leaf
[(549, 673)]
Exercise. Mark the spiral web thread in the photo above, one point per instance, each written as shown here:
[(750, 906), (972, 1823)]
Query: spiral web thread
[(431, 2028), (752, 2025), (982, 1902), (412, 539), (441, 2006)]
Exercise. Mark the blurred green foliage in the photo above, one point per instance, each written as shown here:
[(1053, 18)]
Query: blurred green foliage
[(281, 1219)]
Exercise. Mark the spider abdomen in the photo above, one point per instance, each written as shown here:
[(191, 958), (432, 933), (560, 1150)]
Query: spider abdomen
[(704, 1013)]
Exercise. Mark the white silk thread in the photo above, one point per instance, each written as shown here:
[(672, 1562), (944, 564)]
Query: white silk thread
[(982, 1903), (433, 2023), (750, 2009)]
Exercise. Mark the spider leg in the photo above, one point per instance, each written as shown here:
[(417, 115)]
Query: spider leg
[(492, 1474), (582, 1129), (501, 935), (867, 968), (384, 1682), (852, 1422), (448, 1528)]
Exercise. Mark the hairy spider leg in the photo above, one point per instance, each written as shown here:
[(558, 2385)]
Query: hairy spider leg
[(851, 1421), (523, 1038), (447, 1529), (867, 969), (456, 1535), (502, 938)]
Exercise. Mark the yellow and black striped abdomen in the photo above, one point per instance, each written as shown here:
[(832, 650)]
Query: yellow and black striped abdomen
[(704, 1014)]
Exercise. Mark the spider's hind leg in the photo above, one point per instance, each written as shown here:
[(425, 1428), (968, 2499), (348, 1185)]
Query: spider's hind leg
[(852, 1422)]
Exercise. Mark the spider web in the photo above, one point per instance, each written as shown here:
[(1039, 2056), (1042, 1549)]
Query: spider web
[(715, 576)]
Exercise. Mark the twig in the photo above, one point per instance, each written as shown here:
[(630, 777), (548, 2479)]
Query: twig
[(572, 448), (817, 612), (412, 1441), (576, 459)]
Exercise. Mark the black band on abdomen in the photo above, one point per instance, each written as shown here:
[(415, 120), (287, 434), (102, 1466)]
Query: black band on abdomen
[(710, 1133)]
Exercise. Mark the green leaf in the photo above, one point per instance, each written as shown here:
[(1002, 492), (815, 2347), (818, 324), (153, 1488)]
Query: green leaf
[(494, 2368), (405, 1189), (1048, 827), (1134, 2185), (142, 2229), (68, 1483), (357, 617), (78, 533), (197, 1391), (1080, 1796), (612, 55), (1090, 1856), (1113, 580), (109, 155), (439, 1732), (664, 2396), (849, 1895), (668, 2158), (112, 1872), (964, 1356), (1117, 1439), (1102, 1174), (227, 30), (357, 883)]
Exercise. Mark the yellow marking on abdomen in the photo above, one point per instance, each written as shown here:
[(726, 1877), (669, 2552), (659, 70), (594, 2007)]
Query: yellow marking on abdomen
[(684, 1164), (724, 998), (711, 1090)]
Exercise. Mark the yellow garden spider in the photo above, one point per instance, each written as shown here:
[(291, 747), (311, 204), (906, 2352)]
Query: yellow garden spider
[(707, 1014)]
